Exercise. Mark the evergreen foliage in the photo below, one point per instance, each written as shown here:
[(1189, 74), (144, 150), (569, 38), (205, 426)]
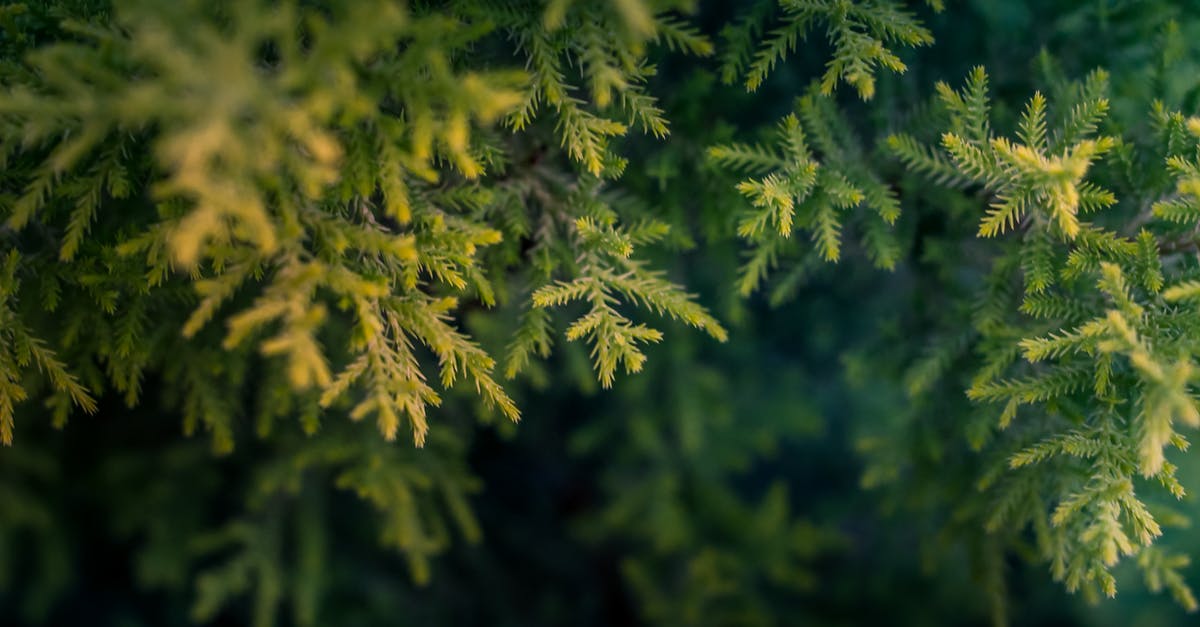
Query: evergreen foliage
[(797, 190), (1103, 387), (858, 32), (364, 193), (301, 229)]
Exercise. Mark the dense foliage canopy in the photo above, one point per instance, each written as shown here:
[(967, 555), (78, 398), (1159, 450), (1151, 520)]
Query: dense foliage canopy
[(525, 312)]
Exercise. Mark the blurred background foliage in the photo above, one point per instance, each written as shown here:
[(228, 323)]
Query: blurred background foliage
[(769, 480)]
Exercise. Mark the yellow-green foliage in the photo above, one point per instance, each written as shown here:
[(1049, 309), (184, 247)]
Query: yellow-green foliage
[(1094, 373), (798, 190), (859, 32), (274, 218), (278, 167)]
